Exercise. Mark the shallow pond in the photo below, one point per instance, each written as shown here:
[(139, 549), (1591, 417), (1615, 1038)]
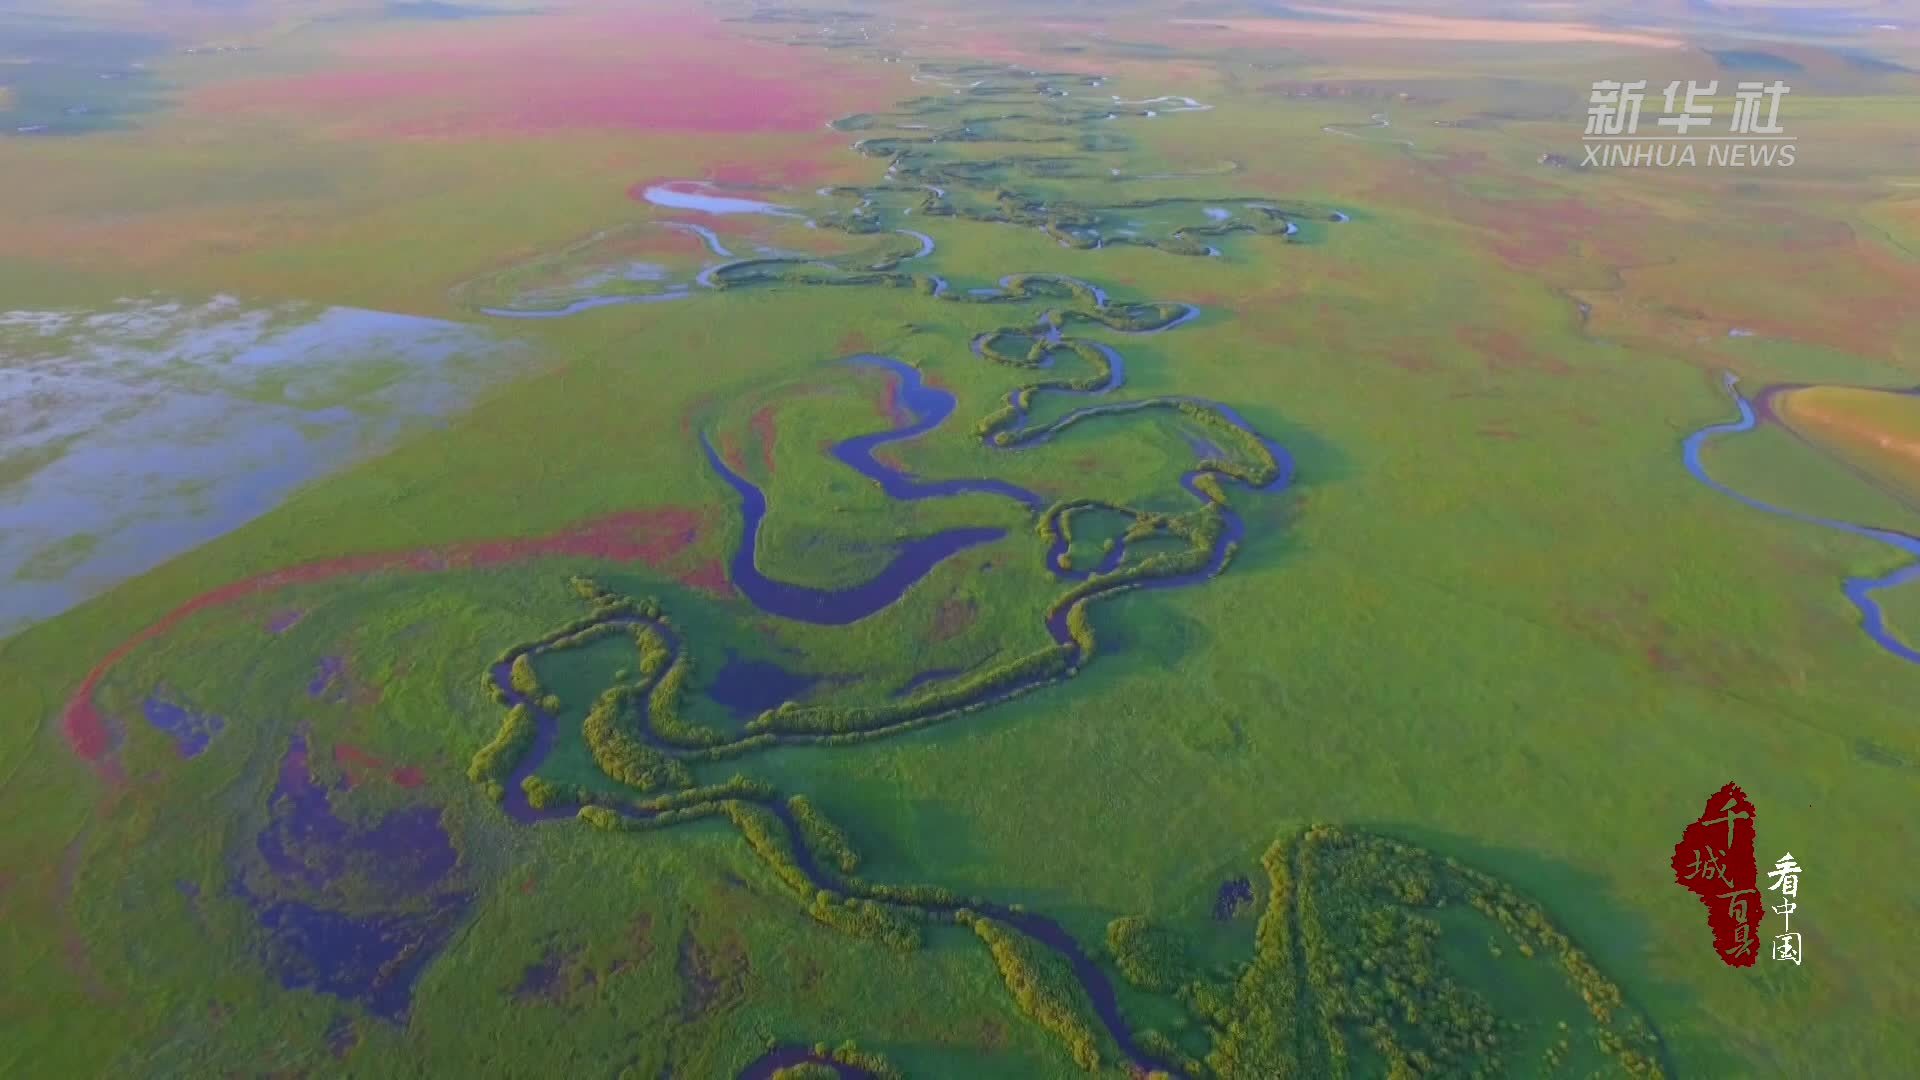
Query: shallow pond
[(133, 434)]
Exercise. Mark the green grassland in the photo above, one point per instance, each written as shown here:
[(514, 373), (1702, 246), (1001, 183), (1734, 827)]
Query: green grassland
[(1494, 621)]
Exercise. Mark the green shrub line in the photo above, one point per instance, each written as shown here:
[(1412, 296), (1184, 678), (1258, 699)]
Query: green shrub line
[(806, 1070), (621, 753), (492, 689), (619, 746), (655, 653), (769, 838), (735, 787), (1226, 557), (847, 1053), (1148, 956), (542, 793), (845, 719), (827, 839), (1260, 470), (1043, 987), (521, 675), (1055, 520), (495, 761), (1346, 950), (1158, 1045), (1258, 1031), (863, 918), (663, 709)]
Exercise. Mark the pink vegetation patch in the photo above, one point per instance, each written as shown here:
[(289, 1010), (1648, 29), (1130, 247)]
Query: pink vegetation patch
[(763, 431), (646, 536), (588, 70), (953, 617), (773, 173), (709, 577), (359, 765), (1503, 353)]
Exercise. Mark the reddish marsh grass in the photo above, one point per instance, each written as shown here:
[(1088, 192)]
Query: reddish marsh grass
[(588, 71), (645, 536)]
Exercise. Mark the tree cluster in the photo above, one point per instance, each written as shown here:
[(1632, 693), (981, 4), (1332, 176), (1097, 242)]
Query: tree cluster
[(948, 697), (1346, 950), (496, 760), (542, 793), (827, 839), (1148, 956), (620, 752), (1043, 987), (524, 681)]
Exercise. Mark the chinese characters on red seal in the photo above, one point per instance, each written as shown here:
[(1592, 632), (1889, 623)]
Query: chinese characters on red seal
[(1714, 860)]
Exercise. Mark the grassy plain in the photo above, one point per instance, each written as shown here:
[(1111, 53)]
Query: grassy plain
[(1495, 617)]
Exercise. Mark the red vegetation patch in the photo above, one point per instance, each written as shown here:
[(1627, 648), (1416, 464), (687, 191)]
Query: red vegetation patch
[(709, 577), (791, 172), (1535, 233), (1416, 361), (592, 70), (645, 536), (890, 403), (73, 942), (953, 617), (358, 765), (1504, 353), (763, 431)]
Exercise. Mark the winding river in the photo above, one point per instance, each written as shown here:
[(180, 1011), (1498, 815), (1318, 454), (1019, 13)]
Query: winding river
[(1859, 590), (927, 408), (1213, 531), (1091, 978), (924, 409)]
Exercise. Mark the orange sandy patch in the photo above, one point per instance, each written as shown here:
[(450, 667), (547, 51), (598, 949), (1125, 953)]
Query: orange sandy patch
[(1386, 25), (1873, 430)]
